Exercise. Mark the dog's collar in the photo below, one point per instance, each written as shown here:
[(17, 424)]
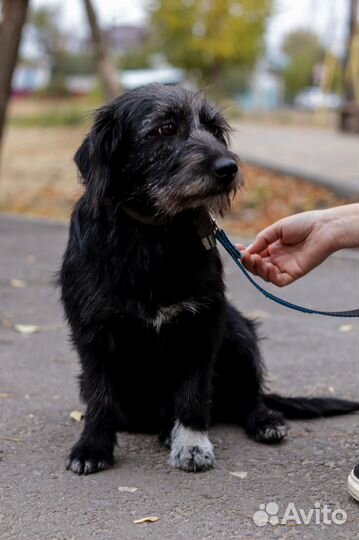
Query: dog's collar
[(142, 218), (205, 223)]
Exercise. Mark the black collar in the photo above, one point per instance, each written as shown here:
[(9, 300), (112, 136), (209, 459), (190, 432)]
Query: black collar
[(205, 224), (142, 218)]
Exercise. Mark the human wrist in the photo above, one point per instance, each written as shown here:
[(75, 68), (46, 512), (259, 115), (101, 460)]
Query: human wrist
[(343, 226)]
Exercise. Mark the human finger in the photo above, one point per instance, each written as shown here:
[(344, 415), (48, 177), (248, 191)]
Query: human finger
[(265, 238)]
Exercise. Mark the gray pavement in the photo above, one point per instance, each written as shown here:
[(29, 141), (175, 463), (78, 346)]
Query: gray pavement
[(321, 156), (304, 354)]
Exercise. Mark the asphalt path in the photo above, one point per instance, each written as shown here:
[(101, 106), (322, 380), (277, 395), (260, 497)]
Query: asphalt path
[(305, 355)]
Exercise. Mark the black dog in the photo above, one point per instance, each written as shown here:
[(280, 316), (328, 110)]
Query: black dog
[(160, 347)]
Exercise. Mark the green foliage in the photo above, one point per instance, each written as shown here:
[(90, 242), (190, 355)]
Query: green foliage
[(51, 118), (44, 21), (209, 36), (139, 58), (83, 63), (235, 80), (304, 51)]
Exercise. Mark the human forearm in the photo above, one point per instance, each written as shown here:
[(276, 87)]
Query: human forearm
[(293, 246)]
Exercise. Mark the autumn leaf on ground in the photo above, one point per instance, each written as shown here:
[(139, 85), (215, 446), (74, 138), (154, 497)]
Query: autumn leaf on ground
[(239, 474), (147, 519), (18, 283), (346, 328), (127, 489), (77, 416), (26, 328), (33, 328)]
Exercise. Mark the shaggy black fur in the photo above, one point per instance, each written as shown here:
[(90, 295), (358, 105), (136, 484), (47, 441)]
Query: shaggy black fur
[(160, 347)]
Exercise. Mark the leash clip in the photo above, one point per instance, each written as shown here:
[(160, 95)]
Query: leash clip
[(207, 229), (214, 222)]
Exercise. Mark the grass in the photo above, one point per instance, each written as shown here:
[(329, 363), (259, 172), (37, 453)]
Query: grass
[(47, 112), (52, 118)]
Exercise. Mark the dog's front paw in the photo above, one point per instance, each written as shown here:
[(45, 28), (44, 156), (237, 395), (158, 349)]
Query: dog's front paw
[(192, 458), (86, 459), (191, 450)]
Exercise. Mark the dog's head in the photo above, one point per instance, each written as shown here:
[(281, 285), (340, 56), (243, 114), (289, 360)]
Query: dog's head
[(159, 150)]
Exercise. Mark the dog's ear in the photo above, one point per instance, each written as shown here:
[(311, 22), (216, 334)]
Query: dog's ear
[(94, 158)]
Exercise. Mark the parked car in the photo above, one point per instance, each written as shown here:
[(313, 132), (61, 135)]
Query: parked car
[(314, 98)]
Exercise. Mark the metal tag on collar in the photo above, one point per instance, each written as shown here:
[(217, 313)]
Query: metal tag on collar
[(209, 242), (207, 226)]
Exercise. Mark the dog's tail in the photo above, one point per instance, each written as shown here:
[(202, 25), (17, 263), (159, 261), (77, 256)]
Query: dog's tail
[(307, 407)]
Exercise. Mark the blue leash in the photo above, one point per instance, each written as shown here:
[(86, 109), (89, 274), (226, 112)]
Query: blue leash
[(237, 256)]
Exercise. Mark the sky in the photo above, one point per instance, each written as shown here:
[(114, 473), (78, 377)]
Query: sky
[(326, 17)]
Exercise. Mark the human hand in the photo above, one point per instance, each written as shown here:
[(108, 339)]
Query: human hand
[(293, 246)]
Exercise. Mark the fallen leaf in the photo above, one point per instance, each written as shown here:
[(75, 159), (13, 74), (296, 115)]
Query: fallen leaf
[(127, 489), (147, 519), (77, 416), (239, 474), (18, 283), (26, 328), (33, 328), (346, 328), (6, 395)]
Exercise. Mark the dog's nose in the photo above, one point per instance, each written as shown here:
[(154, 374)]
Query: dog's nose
[(225, 169)]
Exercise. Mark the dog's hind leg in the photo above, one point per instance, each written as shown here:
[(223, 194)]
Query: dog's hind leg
[(238, 383), (94, 450)]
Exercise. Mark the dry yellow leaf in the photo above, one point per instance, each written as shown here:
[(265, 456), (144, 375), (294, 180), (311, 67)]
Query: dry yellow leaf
[(26, 328), (17, 283), (239, 474), (77, 416), (6, 395), (147, 519), (12, 439), (346, 328)]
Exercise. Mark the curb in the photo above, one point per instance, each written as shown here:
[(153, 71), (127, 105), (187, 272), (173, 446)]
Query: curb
[(346, 190), (36, 220)]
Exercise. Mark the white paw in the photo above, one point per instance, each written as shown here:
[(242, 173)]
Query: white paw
[(191, 451)]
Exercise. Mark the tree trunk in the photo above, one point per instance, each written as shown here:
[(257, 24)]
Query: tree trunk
[(352, 30), (12, 20), (349, 113), (106, 69)]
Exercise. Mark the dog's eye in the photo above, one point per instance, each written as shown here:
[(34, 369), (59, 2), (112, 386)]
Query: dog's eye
[(216, 131), (168, 129)]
